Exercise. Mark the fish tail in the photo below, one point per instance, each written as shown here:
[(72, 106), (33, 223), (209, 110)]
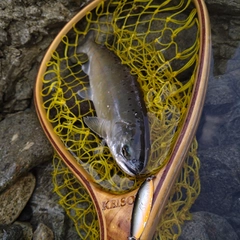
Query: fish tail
[(82, 45), (88, 38)]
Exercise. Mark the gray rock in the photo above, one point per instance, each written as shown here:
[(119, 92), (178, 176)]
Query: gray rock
[(225, 42), (221, 113), (15, 198), (23, 145), (221, 90), (207, 226), (44, 203), (26, 229), (3, 36), (43, 232), (26, 31), (219, 182), (223, 7), (12, 232), (16, 231)]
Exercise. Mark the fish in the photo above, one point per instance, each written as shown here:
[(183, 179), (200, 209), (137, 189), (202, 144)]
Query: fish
[(122, 119)]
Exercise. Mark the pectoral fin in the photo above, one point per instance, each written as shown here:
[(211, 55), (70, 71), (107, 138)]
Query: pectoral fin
[(86, 67), (97, 125), (85, 93)]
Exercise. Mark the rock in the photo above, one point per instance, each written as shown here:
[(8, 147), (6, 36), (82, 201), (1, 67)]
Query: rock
[(207, 226), (223, 89), (220, 121), (14, 199), (16, 231), (26, 229), (223, 7), (225, 43), (23, 145), (233, 216), (44, 203), (12, 232), (219, 182), (26, 31), (43, 232), (3, 36)]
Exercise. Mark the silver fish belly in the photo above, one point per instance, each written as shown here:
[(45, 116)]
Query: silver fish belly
[(122, 119)]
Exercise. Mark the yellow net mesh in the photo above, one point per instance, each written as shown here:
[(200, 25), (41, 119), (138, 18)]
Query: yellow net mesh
[(159, 41), (146, 36), (76, 201), (183, 194)]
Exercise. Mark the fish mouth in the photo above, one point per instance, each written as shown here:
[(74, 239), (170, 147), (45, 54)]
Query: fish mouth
[(130, 170)]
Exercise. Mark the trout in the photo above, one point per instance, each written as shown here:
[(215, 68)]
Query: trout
[(122, 119)]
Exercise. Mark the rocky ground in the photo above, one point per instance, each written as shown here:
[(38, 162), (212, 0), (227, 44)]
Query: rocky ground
[(27, 27)]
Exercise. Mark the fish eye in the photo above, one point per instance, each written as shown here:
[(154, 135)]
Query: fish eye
[(125, 151)]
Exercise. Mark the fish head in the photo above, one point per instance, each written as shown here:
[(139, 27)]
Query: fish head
[(127, 147)]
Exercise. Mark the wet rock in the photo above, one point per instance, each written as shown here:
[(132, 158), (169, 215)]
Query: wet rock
[(221, 114), (26, 30), (221, 90), (43, 232), (207, 226), (233, 216), (26, 229), (23, 145), (11, 232), (225, 42), (16, 231), (3, 36), (220, 180), (26, 214), (219, 152), (14, 199), (44, 203), (223, 6), (71, 230), (19, 34)]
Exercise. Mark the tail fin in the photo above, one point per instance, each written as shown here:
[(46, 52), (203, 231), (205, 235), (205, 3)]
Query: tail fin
[(75, 52)]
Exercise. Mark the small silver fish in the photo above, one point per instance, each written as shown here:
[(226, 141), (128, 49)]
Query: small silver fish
[(122, 119)]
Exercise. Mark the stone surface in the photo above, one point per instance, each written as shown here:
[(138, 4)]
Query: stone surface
[(14, 199), (207, 226), (11, 232), (223, 7), (219, 180), (16, 231), (23, 145), (43, 232), (27, 230), (44, 203), (26, 30)]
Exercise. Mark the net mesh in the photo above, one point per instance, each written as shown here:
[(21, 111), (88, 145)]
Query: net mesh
[(159, 41), (76, 201), (146, 36)]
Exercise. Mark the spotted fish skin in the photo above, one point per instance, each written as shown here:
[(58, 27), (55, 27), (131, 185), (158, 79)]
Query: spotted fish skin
[(121, 119)]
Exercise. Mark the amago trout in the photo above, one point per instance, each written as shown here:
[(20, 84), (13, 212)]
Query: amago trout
[(121, 119)]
